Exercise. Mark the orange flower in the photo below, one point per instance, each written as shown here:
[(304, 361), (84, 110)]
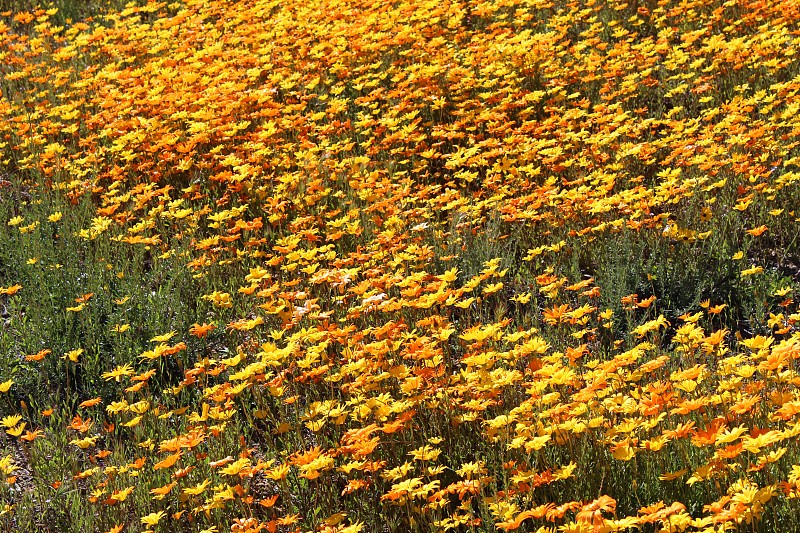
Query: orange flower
[(13, 289), (201, 331), (38, 356), (556, 314)]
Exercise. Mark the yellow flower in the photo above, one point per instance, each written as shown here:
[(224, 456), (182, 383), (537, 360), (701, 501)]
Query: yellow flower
[(623, 451), (450, 275), (219, 299), (536, 443), (117, 373), (490, 289), (55, 217), (7, 465), (565, 472), (121, 495), (73, 355), (164, 338), (153, 518), (752, 271), (236, 467), (197, 489), (84, 443), (17, 430), (425, 453), (669, 476), (10, 421)]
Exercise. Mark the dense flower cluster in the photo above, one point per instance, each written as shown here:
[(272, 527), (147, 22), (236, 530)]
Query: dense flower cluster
[(380, 204)]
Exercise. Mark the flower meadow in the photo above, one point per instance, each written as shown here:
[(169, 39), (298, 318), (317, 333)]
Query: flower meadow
[(417, 266)]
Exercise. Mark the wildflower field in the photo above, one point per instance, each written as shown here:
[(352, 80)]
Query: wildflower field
[(410, 266)]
